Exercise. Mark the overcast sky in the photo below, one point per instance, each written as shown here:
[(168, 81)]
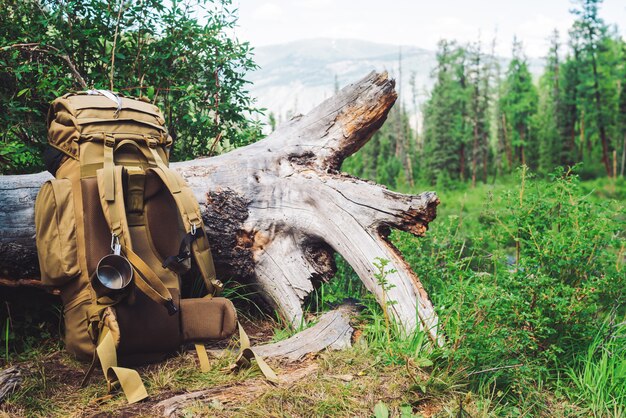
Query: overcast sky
[(419, 22)]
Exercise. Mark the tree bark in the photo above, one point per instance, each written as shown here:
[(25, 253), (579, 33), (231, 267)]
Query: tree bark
[(332, 332), (277, 210), (10, 380)]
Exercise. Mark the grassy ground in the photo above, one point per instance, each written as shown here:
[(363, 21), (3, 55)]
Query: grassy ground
[(345, 383), (527, 277)]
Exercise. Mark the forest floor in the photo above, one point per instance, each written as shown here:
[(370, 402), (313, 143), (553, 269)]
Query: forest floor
[(350, 382), (354, 382)]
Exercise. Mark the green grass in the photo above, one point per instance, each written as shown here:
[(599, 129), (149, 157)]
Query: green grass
[(598, 376)]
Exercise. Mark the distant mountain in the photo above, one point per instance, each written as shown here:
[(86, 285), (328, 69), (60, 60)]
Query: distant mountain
[(296, 76)]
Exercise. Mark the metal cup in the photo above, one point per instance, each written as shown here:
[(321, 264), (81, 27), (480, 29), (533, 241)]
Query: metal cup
[(114, 272)]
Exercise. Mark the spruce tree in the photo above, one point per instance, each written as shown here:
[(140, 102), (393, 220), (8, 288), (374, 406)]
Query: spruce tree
[(551, 147), (621, 118), (445, 127), (569, 113), (389, 157), (517, 105), (598, 84), (478, 110)]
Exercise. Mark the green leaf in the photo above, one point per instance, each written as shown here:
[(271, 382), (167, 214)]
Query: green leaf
[(381, 410), (22, 92), (423, 362), (406, 411)]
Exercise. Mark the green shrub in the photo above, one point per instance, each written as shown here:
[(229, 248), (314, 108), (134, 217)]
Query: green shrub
[(524, 283)]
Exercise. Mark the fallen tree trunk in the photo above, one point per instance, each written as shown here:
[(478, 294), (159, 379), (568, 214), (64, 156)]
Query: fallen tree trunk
[(277, 210)]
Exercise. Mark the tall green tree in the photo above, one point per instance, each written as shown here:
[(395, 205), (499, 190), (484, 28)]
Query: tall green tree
[(479, 96), (547, 119), (391, 156), (164, 51), (568, 110), (622, 111), (445, 117), (517, 105), (598, 88)]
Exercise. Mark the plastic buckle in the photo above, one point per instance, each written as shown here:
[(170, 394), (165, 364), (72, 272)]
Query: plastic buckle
[(171, 308), (109, 140), (183, 256)]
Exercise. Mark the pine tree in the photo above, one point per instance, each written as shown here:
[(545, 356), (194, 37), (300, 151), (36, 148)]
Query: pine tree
[(479, 98), (551, 148), (445, 114), (569, 114), (517, 105), (389, 158), (597, 85), (622, 110)]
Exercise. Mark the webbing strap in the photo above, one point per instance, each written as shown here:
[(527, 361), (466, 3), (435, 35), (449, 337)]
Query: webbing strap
[(203, 358), (152, 156), (172, 182), (113, 209), (149, 283), (128, 379), (244, 358), (135, 190), (188, 206), (109, 179), (246, 354), (202, 254), (94, 321), (184, 251)]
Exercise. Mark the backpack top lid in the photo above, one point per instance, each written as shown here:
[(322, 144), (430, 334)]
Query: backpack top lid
[(91, 115)]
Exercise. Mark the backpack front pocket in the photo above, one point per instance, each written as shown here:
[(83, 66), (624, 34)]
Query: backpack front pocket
[(55, 224)]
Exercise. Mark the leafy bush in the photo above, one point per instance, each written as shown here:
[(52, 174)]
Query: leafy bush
[(521, 287), (181, 59)]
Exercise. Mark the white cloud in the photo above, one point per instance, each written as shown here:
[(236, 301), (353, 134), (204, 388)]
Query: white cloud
[(415, 22), (452, 27), (268, 11), (349, 30), (316, 4), (535, 33)]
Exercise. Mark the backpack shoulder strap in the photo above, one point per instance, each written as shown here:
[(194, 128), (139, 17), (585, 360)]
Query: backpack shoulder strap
[(195, 238), (113, 207)]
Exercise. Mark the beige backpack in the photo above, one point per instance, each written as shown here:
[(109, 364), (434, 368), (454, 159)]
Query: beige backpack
[(116, 232)]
